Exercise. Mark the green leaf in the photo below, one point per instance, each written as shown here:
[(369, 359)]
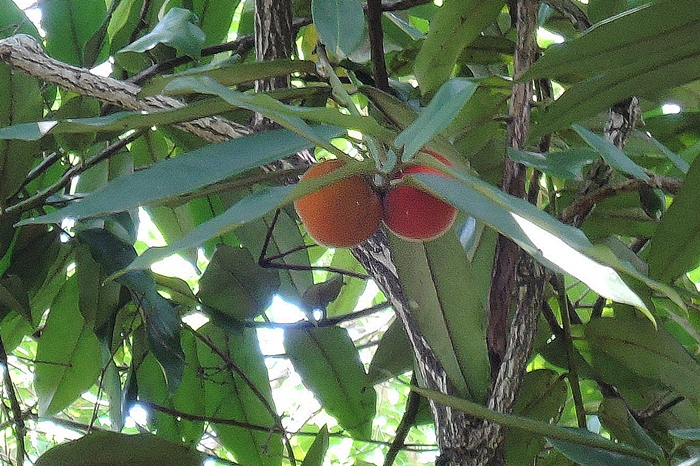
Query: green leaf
[(651, 353), (236, 285), (567, 164), (455, 25), (69, 25), (98, 301), (639, 52), (160, 317), (551, 432), (330, 366), (317, 452), (247, 209), (615, 416), (394, 355), (184, 174), (105, 448), (675, 246), (340, 25), (289, 116), (214, 18), (13, 297), (611, 154), (232, 72), (449, 295), (441, 110), (555, 245), (542, 397), (592, 456), (229, 395), (692, 434), (68, 354), (20, 101), (175, 30)]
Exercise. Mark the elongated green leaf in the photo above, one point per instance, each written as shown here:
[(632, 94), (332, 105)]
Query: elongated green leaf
[(186, 173), (236, 285), (120, 122), (233, 72), (160, 317), (230, 396), (214, 18), (330, 367), (289, 116), (105, 448), (69, 25), (68, 354), (611, 154), (567, 164), (555, 245), (615, 416), (593, 456), (450, 294), (340, 25), (640, 52), (649, 352), (441, 110), (542, 397), (675, 246), (317, 452), (175, 30), (551, 432), (249, 208), (456, 24)]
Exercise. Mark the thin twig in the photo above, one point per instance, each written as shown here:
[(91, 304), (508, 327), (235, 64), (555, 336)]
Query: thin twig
[(39, 198), (17, 416), (407, 421), (376, 44)]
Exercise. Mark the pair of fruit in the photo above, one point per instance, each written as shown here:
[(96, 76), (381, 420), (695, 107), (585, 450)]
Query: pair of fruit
[(347, 212)]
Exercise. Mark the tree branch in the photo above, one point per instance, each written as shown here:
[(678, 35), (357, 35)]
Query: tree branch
[(18, 419), (376, 44), (25, 54)]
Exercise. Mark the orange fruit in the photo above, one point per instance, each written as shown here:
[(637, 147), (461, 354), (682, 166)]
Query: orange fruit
[(414, 214), (342, 214)]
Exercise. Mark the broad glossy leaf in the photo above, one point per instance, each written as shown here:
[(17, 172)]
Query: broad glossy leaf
[(567, 164), (69, 25), (651, 353), (555, 245), (175, 30), (98, 301), (330, 366), (441, 110), (675, 246), (174, 223), (640, 52), (68, 354), (449, 295), (340, 25), (455, 25), (611, 154), (105, 448), (230, 396), (186, 173), (317, 451), (13, 297), (234, 283)]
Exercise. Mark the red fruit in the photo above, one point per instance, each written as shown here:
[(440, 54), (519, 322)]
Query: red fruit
[(415, 215), (342, 214)]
